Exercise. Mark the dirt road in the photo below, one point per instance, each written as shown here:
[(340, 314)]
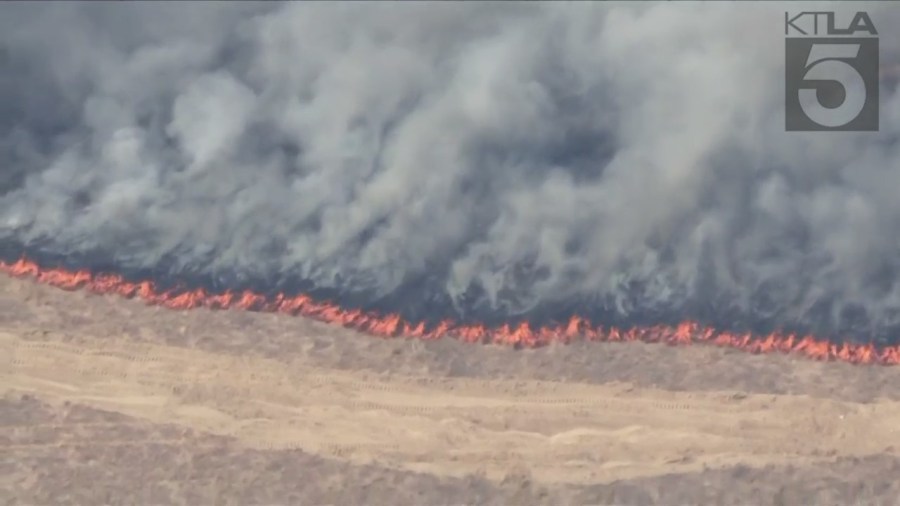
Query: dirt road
[(559, 432)]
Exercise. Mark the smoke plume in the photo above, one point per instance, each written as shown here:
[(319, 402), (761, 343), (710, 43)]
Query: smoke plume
[(476, 159)]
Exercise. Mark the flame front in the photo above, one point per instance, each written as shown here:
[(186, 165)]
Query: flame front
[(393, 325)]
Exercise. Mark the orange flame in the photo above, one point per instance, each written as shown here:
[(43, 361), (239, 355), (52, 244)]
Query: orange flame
[(392, 325)]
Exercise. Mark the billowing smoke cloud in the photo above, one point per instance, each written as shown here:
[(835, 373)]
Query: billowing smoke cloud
[(508, 159)]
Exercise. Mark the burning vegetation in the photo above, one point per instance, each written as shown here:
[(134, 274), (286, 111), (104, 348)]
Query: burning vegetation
[(393, 325)]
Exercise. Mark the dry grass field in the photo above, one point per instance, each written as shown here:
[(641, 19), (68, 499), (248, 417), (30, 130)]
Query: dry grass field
[(109, 401)]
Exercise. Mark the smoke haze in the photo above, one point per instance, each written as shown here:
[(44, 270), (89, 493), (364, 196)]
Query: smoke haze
[(628, 161)]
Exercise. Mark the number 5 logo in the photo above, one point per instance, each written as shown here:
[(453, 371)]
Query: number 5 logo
[(825, 63), (831, 83)]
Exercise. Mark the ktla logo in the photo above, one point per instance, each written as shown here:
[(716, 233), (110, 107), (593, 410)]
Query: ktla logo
[(831, 83)]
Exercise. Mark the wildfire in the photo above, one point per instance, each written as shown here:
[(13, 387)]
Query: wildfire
[(392, 325)]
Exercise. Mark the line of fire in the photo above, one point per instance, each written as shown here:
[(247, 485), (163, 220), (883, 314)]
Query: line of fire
[(393, 325)]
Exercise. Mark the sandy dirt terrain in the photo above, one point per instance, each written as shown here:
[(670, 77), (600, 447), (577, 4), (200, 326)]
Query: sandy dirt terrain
[(110, 401)]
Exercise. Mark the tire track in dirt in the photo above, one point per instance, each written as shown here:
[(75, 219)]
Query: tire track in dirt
[(560, 432), (101, 444)]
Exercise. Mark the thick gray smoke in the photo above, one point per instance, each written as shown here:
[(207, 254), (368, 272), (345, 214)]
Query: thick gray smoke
[(527, 154)]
